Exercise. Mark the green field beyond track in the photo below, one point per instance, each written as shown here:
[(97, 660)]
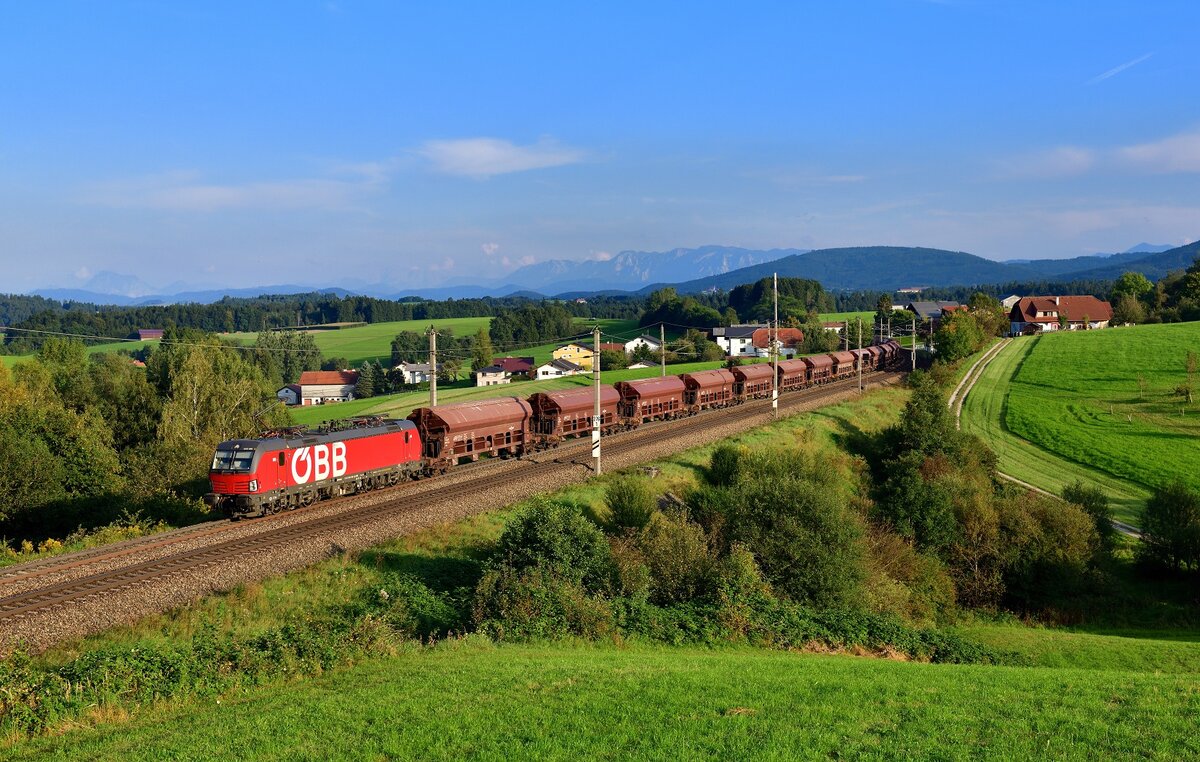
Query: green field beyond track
[(1095, 405), (1106, 399), (475, 700)]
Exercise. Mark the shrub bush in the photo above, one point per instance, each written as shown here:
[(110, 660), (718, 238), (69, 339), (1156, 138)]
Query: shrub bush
[(534, 604), (630, 504), (724, 466), (1095, 503), (678, 558), (557, 539)]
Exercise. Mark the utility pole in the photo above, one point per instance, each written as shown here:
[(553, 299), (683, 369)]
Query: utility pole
[(596, 413), (775, 348), (914, 344), (432, 366), (845, 335), (858, 322), (662, 348)]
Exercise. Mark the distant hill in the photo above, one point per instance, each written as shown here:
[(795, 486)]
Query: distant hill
[(882, 268), (183, 297), (632, 270), (1153, 266)]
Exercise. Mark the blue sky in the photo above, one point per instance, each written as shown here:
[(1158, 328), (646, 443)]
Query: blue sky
[(329, 142)]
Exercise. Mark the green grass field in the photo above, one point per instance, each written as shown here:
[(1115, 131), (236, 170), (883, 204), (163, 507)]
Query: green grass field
[(1105, 399), (984, 414), (472, 699), (1087, 694), (868, 317)]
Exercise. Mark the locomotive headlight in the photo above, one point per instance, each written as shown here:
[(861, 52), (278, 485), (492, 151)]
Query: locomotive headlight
[(254, 485)]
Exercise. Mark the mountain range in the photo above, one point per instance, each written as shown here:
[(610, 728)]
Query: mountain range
[(882, 268)]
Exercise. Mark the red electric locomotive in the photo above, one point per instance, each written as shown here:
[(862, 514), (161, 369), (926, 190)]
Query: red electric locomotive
[(256, 477)]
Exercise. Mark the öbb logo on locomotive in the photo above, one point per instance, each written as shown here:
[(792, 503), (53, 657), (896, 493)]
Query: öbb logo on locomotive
[(319, 462)]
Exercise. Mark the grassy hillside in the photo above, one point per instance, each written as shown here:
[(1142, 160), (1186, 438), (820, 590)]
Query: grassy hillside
[(473, 699), (984, 415), (1106, 399)]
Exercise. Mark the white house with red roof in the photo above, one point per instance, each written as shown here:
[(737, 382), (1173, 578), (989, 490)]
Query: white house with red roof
[(316, 387), (1048, 313)]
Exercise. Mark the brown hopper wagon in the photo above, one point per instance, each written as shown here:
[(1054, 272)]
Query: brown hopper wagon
[(558, 415), (450, 433), (793, 374), (707, 389), (650, 399), (820, 368), (752, 381), (843, 364)]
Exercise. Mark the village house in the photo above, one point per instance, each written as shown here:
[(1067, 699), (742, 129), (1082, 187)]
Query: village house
[(929, 310), (492, 375), (737, 340), (577, 354), (558, 368), (317, 387), (149, 334), (289, 395), (413, 372), (516, 366), (650, 342), (642, 364), (1008, 302), (1048, 313)]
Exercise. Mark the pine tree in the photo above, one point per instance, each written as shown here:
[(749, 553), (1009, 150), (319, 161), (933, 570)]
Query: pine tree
[(481, 352)]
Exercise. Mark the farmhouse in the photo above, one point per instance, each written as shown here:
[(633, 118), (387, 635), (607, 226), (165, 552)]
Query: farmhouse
[(790, 340), (320, 386), (737, 340), (1008, 302), (558, 369), (1050, 313), (577, 354), (149, 334)]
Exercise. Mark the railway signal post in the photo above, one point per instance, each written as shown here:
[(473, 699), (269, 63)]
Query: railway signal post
[(858, 322), (596, 413)]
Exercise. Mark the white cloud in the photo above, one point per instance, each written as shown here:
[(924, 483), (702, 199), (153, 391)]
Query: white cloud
[(600, 256), (1178, 153), (1118, 69), (184, 191), (489, 249), (485, 157), (1064, 161), (528, 259), (83, 273)]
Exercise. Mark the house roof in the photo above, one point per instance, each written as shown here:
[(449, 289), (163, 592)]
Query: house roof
[(294, 387), (744, 331), (561, 364), (491, 369), (515, 364), (576, 345), (647, 338), (929, 309), (788, 337), (612, 346), (413, 367), (1074, 307), (641, 364), (150, 333), (329, 378)]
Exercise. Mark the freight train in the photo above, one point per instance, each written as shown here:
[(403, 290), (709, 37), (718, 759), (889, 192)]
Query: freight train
[(293, 468)]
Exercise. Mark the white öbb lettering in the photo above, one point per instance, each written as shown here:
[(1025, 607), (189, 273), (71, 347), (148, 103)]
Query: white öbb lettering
[(319, 462)]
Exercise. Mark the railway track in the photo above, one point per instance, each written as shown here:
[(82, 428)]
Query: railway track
[(572, 455)]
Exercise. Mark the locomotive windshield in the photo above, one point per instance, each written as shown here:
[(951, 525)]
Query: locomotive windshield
[(232, 460)]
